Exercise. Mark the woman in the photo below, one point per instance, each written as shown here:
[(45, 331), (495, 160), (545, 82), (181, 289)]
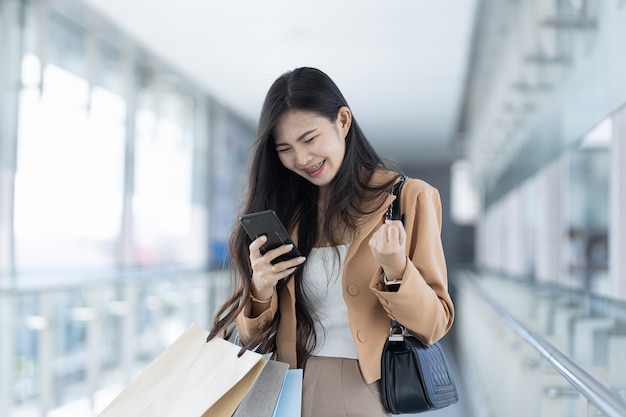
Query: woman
[(330, 315)]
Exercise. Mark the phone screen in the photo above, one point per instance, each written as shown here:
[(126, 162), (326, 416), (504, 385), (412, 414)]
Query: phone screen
[(267, 223)]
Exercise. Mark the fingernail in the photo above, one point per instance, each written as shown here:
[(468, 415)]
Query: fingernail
[(302, 259), (290, 246)]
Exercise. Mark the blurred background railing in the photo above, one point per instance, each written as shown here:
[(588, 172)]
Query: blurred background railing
[(536, 350), (520, 349), (72, 348)]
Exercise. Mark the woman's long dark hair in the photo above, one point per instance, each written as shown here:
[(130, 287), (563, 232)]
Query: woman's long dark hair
[(295, 200)]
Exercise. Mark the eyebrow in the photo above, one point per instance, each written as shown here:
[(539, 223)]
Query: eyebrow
[(302, 136)]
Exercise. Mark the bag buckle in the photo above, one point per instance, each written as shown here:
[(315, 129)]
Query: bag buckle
[(397, 337)]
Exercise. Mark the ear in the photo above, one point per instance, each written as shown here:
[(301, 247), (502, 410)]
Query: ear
[(344, 120)]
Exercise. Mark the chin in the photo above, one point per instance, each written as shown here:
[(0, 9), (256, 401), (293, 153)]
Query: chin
[(320, 182)]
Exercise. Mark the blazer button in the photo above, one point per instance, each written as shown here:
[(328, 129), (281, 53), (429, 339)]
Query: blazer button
[(353, 289), (361, 336)]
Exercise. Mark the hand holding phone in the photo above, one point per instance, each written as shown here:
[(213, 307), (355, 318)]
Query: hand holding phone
[(267, 223)]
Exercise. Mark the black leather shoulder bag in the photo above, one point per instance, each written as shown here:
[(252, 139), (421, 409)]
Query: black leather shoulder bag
[(415, 376)]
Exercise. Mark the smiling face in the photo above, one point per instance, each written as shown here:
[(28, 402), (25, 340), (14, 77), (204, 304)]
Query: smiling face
[(312, 146)]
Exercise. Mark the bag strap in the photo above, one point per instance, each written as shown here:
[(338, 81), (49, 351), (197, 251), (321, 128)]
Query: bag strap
[(394, 212)]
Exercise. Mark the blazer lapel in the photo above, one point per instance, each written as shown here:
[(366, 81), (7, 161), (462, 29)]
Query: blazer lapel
[(365, 229)]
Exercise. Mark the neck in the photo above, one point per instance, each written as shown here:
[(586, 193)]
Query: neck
[(321, 215), (324, 195)]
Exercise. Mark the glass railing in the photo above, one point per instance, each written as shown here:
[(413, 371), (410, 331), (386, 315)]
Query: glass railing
[(523, 350), (541, 351), (67, 350)]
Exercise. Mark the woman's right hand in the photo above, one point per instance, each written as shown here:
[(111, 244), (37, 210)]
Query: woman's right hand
[(265, 275)]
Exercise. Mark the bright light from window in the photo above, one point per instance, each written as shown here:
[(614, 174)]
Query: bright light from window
[(464, 204), (68, 185), (162, 206), (600, 137)]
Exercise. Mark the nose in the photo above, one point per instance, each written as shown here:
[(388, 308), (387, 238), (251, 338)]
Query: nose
[(303, 157)]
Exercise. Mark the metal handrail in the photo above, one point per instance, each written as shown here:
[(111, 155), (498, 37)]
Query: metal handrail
[(597, 393), (597, 303), (63, 281)]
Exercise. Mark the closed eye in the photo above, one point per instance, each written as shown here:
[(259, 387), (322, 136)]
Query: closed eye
[(282, 149)]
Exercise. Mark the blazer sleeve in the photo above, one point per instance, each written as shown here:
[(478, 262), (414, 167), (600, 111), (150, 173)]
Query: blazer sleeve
[(248, 327), (422, 303)]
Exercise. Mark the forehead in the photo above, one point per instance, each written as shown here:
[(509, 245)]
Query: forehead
[(296, 122)]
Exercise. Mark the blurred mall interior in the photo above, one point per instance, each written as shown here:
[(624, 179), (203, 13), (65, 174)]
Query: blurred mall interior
[(121, 170)]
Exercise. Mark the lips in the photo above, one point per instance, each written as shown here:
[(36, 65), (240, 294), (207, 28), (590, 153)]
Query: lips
[(316, 169)]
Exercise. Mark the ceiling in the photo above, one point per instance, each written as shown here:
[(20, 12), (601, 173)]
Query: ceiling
[(401, 64)]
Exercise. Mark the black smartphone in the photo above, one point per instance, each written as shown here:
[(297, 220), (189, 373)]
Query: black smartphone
[(267, 223)]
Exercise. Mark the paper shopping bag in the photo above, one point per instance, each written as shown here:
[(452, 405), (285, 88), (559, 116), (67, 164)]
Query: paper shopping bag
[(190, 378), (290, 400), (263, 396)]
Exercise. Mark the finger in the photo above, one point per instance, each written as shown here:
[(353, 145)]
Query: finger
[(275, 273), (284, 274), (255, 246), (398, 225), (382, 232), (402, 236), (270, 255), (379, 237), (289, 264), (393, 235), (395, 223), (257, 260)]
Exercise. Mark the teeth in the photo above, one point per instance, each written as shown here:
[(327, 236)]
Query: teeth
[(315, 169)]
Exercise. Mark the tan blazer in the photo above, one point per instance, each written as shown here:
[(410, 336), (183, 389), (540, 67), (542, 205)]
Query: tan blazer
[(422, 303)]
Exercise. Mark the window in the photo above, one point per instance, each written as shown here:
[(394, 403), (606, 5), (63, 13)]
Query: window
[(163, 175), (70, 156), (586, 211)]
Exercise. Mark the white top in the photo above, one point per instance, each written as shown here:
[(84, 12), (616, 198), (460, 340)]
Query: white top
[(322, 279)]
